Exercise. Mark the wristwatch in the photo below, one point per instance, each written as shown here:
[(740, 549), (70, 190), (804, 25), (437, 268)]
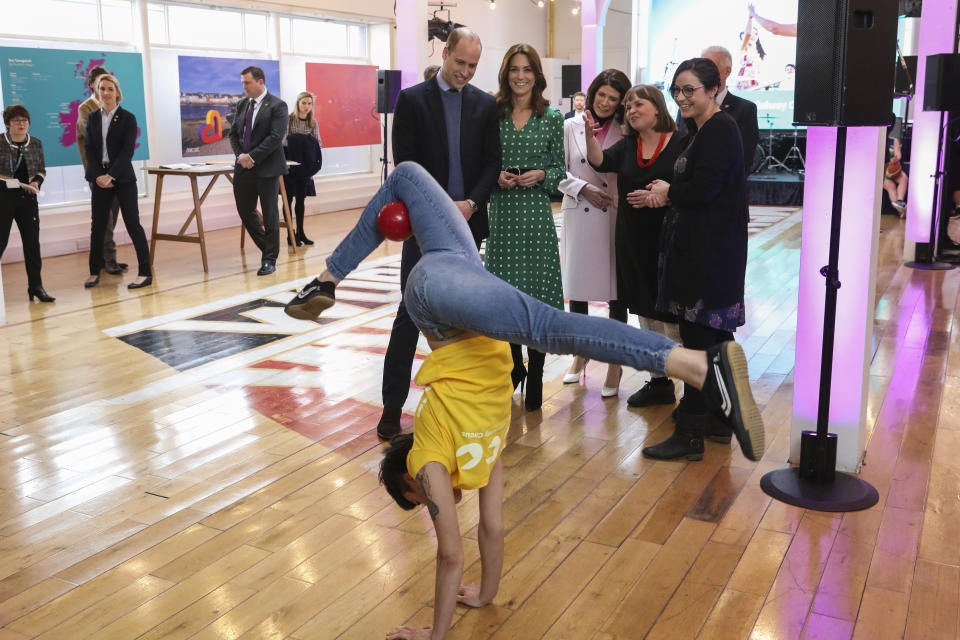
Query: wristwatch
[(473, 205)]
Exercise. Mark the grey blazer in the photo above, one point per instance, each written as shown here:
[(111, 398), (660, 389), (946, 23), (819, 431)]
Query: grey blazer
[(32, 155)]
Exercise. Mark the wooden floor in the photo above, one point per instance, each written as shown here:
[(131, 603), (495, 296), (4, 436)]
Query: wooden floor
[(185, 462)]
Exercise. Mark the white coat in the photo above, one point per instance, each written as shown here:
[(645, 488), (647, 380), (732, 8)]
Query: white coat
[(587, 256)]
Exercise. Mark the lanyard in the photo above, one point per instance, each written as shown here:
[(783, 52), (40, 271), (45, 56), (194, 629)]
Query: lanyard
[(19, 161)]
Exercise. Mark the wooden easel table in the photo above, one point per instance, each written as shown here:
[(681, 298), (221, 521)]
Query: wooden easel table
[(214, 170)]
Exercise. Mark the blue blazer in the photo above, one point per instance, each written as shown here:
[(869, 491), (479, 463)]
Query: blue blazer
[(121, 141)]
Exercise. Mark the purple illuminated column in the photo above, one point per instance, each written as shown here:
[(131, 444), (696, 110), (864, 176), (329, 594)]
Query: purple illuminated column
[(593, 15), (938, 20), (410, 39), (859, 237)]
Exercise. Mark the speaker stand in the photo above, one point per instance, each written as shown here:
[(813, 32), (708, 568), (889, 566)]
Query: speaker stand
[(384, 160), (815, 484), (928, 261)]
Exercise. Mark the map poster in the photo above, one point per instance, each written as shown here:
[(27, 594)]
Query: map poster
[(51, 84), (210, 89), (346, 103)]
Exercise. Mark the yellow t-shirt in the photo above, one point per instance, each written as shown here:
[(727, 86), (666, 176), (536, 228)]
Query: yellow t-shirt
[(462, 418)]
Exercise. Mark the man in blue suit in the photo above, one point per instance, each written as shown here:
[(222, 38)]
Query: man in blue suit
[(257, 140)]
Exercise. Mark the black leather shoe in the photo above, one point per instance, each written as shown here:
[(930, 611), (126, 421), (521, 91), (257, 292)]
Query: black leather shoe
[(113, 269), (145, 283), (685, 442), (389, 424), (90, 284), (657, 391), (266, 269), (41, 295), (311, 300), (303, 239)]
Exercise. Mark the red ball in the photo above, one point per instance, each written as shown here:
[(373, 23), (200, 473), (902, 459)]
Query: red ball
[(393, 221)]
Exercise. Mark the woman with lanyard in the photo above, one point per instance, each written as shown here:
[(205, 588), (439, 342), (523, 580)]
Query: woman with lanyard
[(22, 172), (589, 210), (646, 153)]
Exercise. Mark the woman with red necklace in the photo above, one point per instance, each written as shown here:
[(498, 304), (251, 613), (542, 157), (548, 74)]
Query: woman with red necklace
[(587, 255), (646, 153)]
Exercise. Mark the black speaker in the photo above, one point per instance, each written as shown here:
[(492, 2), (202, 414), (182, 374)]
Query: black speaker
[(845, 54), (941, 91), (905, 80), (388, 87), (569, 79)]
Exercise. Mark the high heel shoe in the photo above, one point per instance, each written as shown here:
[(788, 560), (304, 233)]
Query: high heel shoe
[(609, 392), (574, 376), (41, 295), (90, 284)]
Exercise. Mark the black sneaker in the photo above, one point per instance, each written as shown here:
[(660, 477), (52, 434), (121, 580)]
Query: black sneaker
[(311, 300), (727, 392), (657, 391)]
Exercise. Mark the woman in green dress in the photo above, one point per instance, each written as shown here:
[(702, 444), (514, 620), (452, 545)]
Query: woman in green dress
[(522, 248)]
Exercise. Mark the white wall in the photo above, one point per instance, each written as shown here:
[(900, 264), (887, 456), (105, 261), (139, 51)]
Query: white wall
[(66, 228), (511, 22)]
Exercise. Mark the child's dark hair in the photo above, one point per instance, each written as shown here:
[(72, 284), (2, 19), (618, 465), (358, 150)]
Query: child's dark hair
[(393, 467)]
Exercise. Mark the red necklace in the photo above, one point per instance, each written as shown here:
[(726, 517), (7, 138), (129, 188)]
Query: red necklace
[(656, 154)]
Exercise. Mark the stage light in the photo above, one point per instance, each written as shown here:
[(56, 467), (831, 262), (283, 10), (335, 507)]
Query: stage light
[(575, 10), (493, 5), (540, 3)]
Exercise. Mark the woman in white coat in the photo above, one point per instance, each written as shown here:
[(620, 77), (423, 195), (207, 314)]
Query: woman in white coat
[(587, 256)]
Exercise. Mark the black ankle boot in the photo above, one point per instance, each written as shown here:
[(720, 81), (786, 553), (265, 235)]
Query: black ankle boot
[(302, 238), (534, 397), (657, 391), (686, 440), (519, 373), (40, 294), (389, 424)]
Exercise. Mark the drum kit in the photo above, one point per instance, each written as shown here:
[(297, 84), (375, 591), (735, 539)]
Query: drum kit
[(766, 159)]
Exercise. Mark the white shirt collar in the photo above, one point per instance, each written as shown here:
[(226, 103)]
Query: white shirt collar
[(721, 96), (260, 97), (109, 114)]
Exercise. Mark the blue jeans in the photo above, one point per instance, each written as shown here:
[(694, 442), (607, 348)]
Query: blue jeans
[(449, 290)]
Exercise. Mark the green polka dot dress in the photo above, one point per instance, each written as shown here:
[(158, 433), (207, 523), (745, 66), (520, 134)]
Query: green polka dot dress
[(522, 248)]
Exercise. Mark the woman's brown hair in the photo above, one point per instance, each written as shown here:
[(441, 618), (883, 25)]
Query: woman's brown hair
[(538, 104), (616, 80), (665, 123)]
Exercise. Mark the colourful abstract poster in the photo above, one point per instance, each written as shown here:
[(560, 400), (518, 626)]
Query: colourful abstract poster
[(51, 84), (345, 104), (210, 89)]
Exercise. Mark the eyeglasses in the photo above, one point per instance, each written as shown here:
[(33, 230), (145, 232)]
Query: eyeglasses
[(687, 91), (20, 121)]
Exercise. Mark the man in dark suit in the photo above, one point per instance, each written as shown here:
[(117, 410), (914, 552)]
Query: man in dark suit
[(257, 140), (579, 102), (452, 129), (740, 109)]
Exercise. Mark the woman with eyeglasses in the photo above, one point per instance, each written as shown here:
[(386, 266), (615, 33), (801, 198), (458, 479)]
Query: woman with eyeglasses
[(522, 247), (705, 242), (647, 152), (587, 255), (22, 171)]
